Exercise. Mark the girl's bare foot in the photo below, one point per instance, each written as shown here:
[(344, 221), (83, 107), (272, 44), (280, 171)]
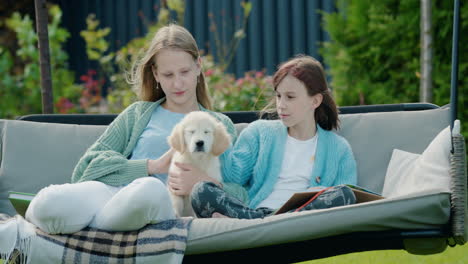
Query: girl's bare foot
[(218, 215)]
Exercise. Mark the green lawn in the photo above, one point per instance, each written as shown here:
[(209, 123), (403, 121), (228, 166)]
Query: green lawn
[(456, 255)]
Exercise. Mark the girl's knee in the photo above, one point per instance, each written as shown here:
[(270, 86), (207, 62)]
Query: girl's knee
[(49, 202), (203, 188), (148, 182), (203, 196), (149, 198), (149, 189), (64, 208)]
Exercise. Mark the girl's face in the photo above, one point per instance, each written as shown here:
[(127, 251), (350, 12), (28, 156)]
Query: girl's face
[(294, 106), (177, 73)]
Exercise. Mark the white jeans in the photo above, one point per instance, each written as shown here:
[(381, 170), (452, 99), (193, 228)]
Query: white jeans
[(68, 208)]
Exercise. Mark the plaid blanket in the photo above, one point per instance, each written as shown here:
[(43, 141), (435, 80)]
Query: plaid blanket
[(164, 242)]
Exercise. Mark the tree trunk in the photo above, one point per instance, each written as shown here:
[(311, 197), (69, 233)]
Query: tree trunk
[(425, 88), (44, 56)]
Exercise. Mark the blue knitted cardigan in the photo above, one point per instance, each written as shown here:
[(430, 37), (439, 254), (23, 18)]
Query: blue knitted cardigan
[(255, 160)]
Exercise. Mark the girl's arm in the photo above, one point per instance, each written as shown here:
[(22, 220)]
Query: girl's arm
[(347, 168), (238, 162), (161, 165), (105, 160), (181, 182)]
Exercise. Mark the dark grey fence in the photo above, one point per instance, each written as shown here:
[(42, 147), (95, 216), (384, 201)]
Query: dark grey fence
[(276, 29)]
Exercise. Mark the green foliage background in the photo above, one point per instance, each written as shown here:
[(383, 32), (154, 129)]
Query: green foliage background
[(20, 91), (373, 58), (374, 52)]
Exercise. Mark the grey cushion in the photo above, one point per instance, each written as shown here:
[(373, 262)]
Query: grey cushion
[(240, 127), (373, 136), (35, 155)]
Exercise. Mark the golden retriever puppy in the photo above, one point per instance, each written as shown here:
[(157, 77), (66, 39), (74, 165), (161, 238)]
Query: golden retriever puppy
[(198, 139)]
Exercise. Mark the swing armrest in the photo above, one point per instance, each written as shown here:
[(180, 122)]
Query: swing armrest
[(459, 199)]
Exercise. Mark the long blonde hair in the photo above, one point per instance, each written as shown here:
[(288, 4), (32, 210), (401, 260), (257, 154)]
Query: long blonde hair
[(168, 37)]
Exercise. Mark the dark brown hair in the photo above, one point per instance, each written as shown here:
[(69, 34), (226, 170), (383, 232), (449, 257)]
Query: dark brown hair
[(310, 72)]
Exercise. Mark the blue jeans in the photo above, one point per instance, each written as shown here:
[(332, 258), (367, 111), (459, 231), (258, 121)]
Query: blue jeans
[(208, 198)]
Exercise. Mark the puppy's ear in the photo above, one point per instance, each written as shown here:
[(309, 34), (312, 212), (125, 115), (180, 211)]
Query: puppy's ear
[(222, 140), (176, 139)]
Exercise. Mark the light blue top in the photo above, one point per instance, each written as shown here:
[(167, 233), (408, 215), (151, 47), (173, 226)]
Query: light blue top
[(152, 143), (255, 159)]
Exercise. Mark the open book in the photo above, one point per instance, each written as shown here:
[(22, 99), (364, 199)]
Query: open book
[(20, 201), (300, 198)]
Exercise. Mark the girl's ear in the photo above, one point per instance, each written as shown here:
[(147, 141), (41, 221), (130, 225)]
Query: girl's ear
[(199, 65), (221, 141), (317, 100), (154, 72), (176, 139)]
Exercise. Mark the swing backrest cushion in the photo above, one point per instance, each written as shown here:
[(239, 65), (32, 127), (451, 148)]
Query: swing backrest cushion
[(374, 136), (34, 155)]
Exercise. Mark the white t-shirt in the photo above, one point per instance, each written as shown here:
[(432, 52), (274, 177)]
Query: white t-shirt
[(295, 173)]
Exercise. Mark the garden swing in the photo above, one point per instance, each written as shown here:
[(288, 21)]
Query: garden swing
[(423, 221)]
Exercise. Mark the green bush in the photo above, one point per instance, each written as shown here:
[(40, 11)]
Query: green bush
[(374, 52), (21, 89), (248, 93)]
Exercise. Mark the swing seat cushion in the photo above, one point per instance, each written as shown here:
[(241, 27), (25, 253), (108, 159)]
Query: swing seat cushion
[(423, 210)]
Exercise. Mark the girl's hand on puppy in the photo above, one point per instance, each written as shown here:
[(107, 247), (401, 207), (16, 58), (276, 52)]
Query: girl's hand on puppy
[(181, 181), (162, 164)]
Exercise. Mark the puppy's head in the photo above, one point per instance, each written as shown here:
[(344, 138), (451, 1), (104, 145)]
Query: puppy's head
[(199, 132)]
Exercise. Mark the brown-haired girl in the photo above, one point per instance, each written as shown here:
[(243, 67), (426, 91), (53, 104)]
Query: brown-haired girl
[(277, 158)]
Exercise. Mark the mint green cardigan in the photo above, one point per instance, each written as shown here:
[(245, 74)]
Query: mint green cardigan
[(107, 159)]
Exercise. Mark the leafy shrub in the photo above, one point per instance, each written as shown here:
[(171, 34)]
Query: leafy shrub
[(21, 92), (250, 92), (374, 52)]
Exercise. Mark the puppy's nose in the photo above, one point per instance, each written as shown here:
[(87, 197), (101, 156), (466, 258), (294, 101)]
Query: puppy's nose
[(199, 143)]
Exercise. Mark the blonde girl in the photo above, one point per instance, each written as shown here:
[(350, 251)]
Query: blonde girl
[(119, 183)]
